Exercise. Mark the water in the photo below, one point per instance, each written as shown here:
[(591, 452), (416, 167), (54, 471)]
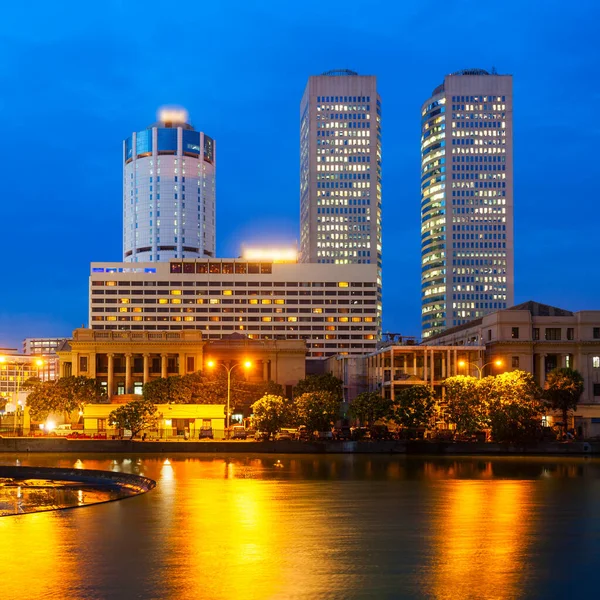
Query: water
[(316, 527)]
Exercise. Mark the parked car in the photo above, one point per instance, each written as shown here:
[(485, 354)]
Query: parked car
[(62, 430), (283, 435), (342, 433), (206, 433), (323, 436), (238, 432)]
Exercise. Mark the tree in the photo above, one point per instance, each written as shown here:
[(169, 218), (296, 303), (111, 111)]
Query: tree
[(44, 398), (271, 413), (76, 392), (562, 391), (514, 406), (317, 410), (321, 383), (414, 406), (169, 390), (369, 407), (465, 405), (135, 416)]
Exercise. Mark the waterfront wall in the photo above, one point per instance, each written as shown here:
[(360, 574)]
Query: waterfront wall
[(61, 445)]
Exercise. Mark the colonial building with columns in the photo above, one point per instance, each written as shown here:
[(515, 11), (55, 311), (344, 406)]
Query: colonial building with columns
[(124, 360)]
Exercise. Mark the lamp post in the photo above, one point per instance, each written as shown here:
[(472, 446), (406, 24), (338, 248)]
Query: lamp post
[(464, 363), (211, 364)]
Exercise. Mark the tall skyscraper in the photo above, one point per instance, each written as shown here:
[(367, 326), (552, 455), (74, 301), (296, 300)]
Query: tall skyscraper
[(467, 256), (340, 169), (168, 191)]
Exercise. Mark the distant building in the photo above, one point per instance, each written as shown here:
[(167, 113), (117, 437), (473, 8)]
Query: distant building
[(340, 170), (467, 256), (168, 191), (332, 308), (537, 338), (15, 370), (45, 348)]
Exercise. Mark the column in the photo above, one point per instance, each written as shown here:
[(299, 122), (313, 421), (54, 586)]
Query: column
[(265, 366), (128, 380), (542, 369), (182, 365), (454, 371), (92, 365), (75, 364), (425, 365), (445, 364), (163, 366), (415, 363), (432, 353), (111, 375), (146, 367)]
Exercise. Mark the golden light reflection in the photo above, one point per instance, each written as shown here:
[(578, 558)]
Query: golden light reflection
[(481, 537)]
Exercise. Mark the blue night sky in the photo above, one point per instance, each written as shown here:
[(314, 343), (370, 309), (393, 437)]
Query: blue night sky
[(79, 77)]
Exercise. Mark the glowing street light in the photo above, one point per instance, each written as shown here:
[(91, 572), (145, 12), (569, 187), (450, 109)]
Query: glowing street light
[(211, 364), (464, 363)]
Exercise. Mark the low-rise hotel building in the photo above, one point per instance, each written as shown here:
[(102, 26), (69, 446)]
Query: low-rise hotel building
[(334, 309), (124, 360)]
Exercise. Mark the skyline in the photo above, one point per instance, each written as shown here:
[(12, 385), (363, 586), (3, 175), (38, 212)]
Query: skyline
[(250, 104)]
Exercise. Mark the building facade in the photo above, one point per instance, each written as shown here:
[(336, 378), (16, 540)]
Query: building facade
[(340, 170), (124, 360), (168, 191), (332, 308), (537, 338), (467, 256), (44, 348), (15, 370)]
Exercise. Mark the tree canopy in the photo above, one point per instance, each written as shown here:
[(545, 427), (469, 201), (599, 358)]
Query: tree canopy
[(465, 407), (317, 410), (321, 383), (369, 407), (563, 390), (271, 413), (414, 407), (135, 416)]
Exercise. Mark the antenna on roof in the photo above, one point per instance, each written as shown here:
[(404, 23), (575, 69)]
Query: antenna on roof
[(494, 72)]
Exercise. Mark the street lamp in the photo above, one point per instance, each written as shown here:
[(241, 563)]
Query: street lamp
[(464, 363), (211, 364)]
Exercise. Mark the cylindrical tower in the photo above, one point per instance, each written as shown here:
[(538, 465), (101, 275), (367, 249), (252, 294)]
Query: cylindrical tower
[(168, 191)]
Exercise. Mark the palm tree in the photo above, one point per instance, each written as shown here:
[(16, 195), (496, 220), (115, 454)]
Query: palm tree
[(562, 391)]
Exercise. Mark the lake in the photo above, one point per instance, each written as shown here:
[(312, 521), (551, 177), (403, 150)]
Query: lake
[(308, 526)]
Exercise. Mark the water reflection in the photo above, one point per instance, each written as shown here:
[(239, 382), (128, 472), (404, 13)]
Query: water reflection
[(482, 532), (315, 527)]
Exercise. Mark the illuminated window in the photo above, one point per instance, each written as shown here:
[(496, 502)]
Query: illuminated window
[(136, 309), (175, 292), (330, 319), (163, 301), (227, 292), (253, 301), (356, 319), (266, 301), (137, 318), (123, 309), (279, 301), (342, 284), (214, 301), (330, 328), (266, 319), (368, 319), (596, 362), (317, 311), (124, 300), (188, 318), (343, 319), (175, 318), (370, 337), (292, 319), (175, 300), (111, 283), (200, 300), (111, 318)]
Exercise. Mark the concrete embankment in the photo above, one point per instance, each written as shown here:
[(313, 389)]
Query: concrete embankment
[(292, 447)]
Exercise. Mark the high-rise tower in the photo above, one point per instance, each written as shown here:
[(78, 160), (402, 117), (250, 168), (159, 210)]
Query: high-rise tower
[(340, 169), (168, 191), (467, 256)]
